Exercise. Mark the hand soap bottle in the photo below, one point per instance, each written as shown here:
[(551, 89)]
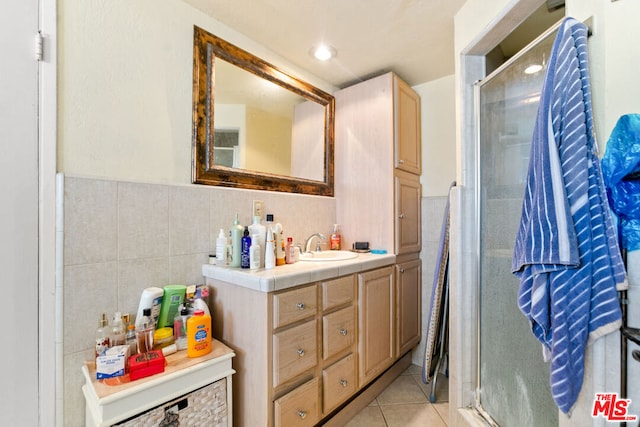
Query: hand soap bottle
[(259, 231), (336, 238), (236, 243)]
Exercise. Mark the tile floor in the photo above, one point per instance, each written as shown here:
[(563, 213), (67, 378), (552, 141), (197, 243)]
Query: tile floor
[(405, 403)]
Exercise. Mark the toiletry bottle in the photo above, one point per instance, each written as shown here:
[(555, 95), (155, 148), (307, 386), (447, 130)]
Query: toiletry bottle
[(279, 244), (117, 335), (151, 298), (259, 230), (102, 336), (198, 334), (255, 252), (180, 328), (270, 251), (246, 245), (144, 331), (130, 339), (289, 251), (221, 249), (199, 300), (336, 238), (236, 242), (171, 300)]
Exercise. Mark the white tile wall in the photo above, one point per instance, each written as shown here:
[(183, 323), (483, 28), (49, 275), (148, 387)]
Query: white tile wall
[(121, 237)]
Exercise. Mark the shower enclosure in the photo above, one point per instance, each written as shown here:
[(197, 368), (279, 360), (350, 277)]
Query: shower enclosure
[(512, 378)]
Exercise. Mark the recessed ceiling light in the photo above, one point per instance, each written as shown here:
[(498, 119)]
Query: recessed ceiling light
[(323, 52), (532, 69)]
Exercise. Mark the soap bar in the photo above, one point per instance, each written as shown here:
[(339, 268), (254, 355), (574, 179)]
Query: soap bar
[(146, 364)]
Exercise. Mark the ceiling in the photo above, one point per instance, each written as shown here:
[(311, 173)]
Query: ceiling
[(413, 38)]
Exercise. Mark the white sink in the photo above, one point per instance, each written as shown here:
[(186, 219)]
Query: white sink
[(327, 256)]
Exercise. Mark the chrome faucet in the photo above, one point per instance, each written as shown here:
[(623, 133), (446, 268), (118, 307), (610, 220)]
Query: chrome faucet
[(307, 245)]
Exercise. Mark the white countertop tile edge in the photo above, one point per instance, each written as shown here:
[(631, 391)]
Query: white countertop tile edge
[(291, 275)]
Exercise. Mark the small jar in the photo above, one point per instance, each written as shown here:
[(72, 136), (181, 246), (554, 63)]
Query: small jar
[(162, 337)]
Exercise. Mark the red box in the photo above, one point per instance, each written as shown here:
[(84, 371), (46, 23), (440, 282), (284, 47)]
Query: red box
[(146, 364)]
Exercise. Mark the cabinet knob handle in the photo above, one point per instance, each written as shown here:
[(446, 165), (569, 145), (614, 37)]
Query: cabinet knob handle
[(300, 352), (300, 306), (343, 331), (401, 270), (343, 382), (401, 216), (302, 414), (401, 162)]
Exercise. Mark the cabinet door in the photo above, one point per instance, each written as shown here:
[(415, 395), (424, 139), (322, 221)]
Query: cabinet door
[(407, 209), (407, 128), (376, 321), (408, 305)]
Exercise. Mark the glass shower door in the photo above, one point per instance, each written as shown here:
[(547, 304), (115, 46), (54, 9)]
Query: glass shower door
[(513, 380)]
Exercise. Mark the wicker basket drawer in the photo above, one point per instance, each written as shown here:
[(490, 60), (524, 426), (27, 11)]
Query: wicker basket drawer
[(205, 406)]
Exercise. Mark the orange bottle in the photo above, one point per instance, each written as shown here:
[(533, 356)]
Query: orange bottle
[(198, 334), (336, 238)]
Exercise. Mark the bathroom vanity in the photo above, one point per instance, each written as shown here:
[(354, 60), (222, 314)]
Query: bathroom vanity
[(189, 390), (308, 336)]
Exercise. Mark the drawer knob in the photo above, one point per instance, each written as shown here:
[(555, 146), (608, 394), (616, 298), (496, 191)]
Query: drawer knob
[(300, 306), (300, 352), (302, 414), (343, 331), (401, 162), (401, 270), (401, 216), (343, 382)]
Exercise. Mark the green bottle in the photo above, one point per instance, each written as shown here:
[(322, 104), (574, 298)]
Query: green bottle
[(236, 231)]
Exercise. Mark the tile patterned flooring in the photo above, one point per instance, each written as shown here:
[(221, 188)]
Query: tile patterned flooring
[(405, 403)]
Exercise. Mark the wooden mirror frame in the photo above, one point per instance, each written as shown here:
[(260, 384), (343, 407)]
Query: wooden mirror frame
[(206, 47)]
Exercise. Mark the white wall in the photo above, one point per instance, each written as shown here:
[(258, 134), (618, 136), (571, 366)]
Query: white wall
[(437, 99), (614, 62), (125, 87)]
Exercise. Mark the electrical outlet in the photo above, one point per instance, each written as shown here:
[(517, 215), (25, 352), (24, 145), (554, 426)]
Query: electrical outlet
[(258, 208)]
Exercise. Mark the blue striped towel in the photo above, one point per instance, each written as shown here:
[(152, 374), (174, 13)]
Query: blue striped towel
[(566, 252)]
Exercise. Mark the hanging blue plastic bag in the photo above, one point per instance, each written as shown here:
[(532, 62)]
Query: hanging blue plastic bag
[(621, 172)]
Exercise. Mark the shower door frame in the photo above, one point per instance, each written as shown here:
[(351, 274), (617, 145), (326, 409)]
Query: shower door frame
[(478, 211)]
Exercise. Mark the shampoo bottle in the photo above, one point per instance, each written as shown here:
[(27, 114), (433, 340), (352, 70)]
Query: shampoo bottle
[(171, 300), (254, 253), (236, 243), (270, 251), (259, 232), (221, 249), (246, 245), (151, 298), (198, 334)]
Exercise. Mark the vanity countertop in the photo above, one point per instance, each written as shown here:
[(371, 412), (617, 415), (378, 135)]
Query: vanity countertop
[(290, 275)]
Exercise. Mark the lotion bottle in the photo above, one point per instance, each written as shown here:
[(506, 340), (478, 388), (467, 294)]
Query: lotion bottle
[(255, 253), (258, 235), (221, 249), (289, 252), (236, 243), (246, 245), (279, 244), (270, 251)]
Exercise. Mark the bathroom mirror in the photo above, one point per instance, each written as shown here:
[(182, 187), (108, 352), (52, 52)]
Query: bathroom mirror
[(255, 126)]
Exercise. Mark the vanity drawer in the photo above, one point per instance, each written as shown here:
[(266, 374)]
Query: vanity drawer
[(338, 382), (337, 292), (294, 351), (296, 304), (338, 331), (298, 408)]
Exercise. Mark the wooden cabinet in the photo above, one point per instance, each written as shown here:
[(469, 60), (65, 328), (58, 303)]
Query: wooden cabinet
[(378, 193), (376, 346), (378, 164), (408, 155), (408, 302)]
